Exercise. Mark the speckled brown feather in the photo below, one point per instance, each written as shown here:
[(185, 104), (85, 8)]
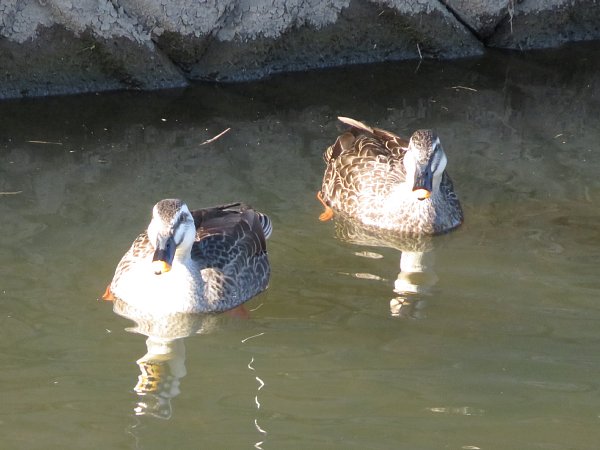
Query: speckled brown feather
[(230, 242), (365, 167)]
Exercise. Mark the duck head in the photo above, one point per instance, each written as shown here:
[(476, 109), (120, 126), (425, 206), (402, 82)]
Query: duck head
[(171, 232), (424, 162)]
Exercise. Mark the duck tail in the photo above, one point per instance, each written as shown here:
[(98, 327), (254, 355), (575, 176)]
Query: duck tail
[(356, 124), (237, 205), (378, 132), (266, 223)]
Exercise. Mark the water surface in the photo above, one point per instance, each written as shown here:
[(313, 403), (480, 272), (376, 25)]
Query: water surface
[(498, 349)]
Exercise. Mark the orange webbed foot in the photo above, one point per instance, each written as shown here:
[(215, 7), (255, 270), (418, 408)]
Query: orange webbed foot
[(108, 295), (241, 312), (328, 213)]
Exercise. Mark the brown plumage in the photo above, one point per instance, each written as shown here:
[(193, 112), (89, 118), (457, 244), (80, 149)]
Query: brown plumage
[(387, 182), (207, 260)]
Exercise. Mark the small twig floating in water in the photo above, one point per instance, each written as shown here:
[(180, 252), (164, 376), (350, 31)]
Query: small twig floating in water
[(419, 50), (11, 192), (208, 141), (45, 142), (251, 337), (465, 88)]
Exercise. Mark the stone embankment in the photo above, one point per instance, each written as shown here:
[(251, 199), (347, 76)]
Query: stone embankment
[(50, 47)]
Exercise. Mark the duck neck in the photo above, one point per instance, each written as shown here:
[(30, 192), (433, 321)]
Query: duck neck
[(182, 255)]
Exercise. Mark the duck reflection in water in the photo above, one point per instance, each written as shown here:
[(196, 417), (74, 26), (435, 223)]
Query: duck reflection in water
[(163, 365), (388, 191), (416, 276)]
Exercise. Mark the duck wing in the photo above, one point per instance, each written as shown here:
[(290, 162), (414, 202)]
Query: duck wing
[(231, 253), (225, 231), (363, 163)]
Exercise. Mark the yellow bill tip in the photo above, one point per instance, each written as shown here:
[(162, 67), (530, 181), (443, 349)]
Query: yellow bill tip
[(422, 194), (161, 267)]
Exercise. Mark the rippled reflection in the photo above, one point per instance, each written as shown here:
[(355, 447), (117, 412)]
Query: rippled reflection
[(416, 275), (161, 369), (414, 282), (163, 365)]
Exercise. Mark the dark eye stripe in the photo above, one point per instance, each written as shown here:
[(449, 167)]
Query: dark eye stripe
[(181, 219)]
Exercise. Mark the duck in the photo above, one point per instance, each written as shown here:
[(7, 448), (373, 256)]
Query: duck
[(386, 182), (202, 261)]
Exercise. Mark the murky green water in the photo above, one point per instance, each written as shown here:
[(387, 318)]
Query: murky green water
[(498, 349)]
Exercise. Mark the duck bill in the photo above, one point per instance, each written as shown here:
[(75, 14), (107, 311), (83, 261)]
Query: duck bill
[(423, 185), (422, 194), (164, 254)]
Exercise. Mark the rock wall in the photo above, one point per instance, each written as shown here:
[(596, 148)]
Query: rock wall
[(67, 46)]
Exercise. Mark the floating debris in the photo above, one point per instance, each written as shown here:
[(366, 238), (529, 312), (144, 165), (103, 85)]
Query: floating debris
[(208, 141)]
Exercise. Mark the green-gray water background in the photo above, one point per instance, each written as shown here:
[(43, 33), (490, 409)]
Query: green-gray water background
[(500, 349)]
